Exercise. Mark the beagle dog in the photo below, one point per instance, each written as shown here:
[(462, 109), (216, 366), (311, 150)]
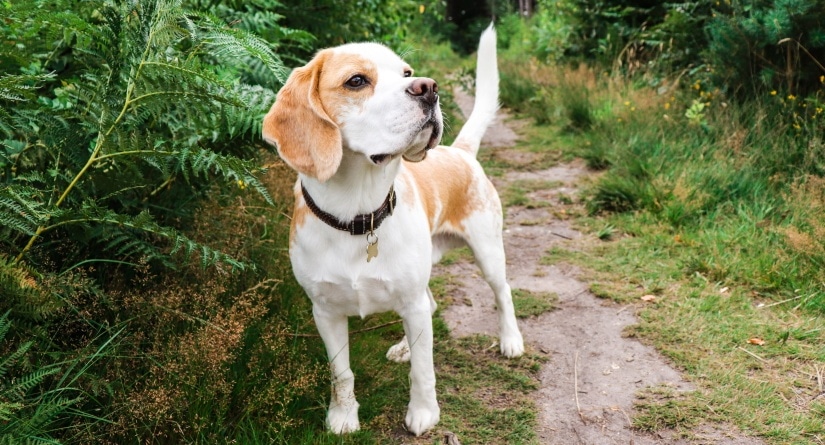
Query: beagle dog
[(378, 201)]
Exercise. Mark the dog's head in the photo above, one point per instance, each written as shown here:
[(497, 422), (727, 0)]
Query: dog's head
[(360, 97)]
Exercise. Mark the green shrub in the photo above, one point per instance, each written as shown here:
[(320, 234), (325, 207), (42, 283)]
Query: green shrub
[(650, 36), (334, 22), (549, 32), (115, 117), (772, 45)]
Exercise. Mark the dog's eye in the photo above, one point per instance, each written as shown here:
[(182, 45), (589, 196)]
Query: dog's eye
[(407, 73), (356, 81)]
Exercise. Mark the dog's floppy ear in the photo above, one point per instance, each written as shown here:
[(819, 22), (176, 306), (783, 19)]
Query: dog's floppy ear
[(297, 124)]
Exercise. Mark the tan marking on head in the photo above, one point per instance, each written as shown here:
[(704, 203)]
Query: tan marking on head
[(304, 120), (336, 97), (445, 180)]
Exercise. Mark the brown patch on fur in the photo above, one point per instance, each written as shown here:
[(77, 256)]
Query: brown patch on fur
[(299, 214), (445, 180), (306, 138)]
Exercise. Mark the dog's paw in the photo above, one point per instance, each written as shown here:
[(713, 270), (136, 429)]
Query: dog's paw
[(399, 352), (420, 420), (343, 419), (512, 345)]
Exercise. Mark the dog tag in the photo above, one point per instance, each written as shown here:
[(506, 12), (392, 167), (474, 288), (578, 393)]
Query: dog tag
[(372, 246), (372, 251)]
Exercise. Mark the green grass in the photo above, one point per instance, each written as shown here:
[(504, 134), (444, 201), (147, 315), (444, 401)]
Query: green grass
[(662, 408), (517, 193), (484, 396), (530, 304)]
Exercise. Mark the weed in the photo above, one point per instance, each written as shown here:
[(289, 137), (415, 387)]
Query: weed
[(606, 233)]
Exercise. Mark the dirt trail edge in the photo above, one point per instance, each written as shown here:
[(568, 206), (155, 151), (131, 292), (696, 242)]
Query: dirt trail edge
[(593, 373)]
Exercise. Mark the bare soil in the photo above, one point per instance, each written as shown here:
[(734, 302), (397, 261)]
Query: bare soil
[(593, 373)]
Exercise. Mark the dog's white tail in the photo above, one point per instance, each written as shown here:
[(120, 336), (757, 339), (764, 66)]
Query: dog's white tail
[(486, 101)]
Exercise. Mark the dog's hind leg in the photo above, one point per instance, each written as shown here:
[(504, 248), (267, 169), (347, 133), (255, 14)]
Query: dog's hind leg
[(400, 352), (342, 416), (488, 249)]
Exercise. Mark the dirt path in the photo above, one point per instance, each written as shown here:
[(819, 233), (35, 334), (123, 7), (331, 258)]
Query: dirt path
[(593, 373)]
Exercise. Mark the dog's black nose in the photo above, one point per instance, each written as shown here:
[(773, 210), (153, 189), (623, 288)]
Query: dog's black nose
[(425, 89)]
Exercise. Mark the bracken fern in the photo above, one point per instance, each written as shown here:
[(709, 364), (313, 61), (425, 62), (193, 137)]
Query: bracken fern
[(105, 129)]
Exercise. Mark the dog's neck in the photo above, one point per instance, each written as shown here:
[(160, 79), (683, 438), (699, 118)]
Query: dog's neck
[(358, 186)]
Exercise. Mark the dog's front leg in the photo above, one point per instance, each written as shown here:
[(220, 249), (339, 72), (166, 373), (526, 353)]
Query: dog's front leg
[(423, 411), (342, 416)]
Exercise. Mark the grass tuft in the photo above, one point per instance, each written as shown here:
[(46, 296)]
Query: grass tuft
[(531, 304)]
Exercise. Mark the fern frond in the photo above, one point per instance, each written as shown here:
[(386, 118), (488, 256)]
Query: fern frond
[(22, 295), (248, 120), (119, 232), (7, 409), (44, 415), (22, 385), (17, 88), (21, 209), (12, 358), (20, 87), (5, 324), (201, 162), (237, 45)]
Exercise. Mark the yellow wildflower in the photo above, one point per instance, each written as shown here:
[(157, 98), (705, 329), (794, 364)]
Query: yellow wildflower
[(773, 93), (791, 97)]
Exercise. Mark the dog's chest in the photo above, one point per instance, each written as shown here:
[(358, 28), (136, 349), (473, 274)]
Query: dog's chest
[(333, 269)]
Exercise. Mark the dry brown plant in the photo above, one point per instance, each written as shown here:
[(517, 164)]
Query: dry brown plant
[(211, 342)]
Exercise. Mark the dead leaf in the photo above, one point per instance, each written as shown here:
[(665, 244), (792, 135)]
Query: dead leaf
[(756, 341), (649, 298)]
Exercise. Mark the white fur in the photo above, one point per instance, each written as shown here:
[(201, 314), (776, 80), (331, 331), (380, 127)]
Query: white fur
[(486, 105), (331, 264)]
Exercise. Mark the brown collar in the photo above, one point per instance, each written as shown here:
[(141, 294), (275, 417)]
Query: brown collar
[(360, 225)]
